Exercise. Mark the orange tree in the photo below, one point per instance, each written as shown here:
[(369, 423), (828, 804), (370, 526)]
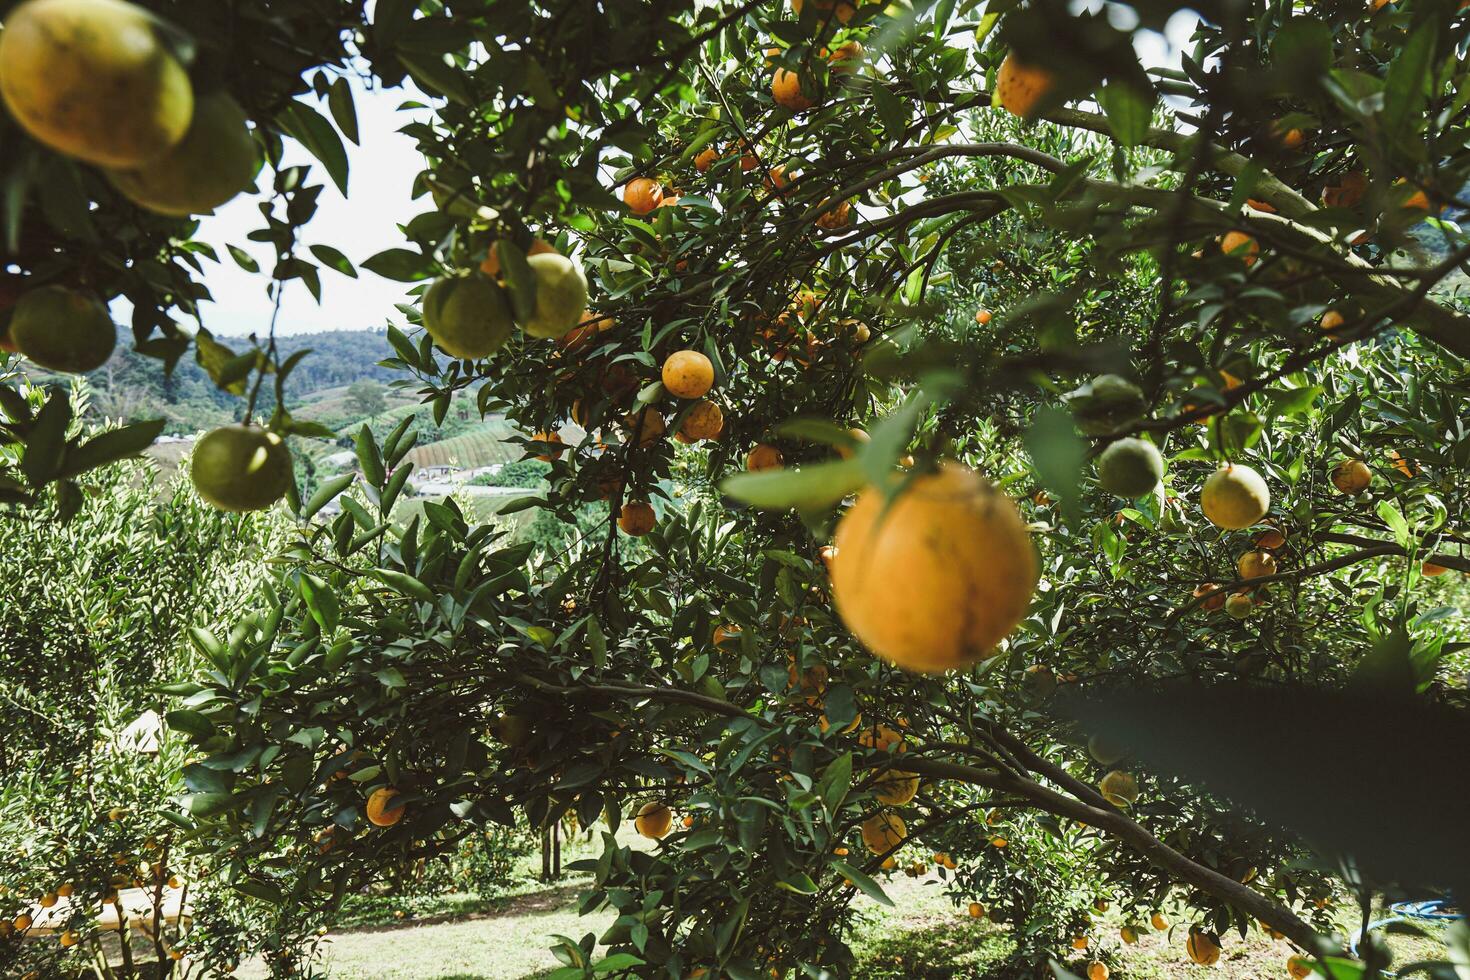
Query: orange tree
[(978, 235)]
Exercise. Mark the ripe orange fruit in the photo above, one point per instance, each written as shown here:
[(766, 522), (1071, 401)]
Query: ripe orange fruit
[(1430, 570), (882, 832), (1079, 942), (1158, 921), (836, 219), (553, 440), (69, 939), (381, 810), (1214, 592), (1129, 935), (241, 468), (642, 194), (1119, 788), (1097, 970), (1241, 246), (1202, 948), (491, 265), (1020, 86), (654, 821), (777, 179), (1299, 967), (896, 788), (62, 329), (1261, 206), (882, 738), (703, 421), (763, 457), (94, 80), (841, 10), (982, 316), (1235, 497), (935, 579), (1287, 139), (1414, 200), (1351, 476), (976, 910), (652, 426), (1255, 564), (688, 374), (637, 518), (846, 59), (1347, 192), (786, 91), (706, 158), (1270, 539), (1401, 464), (726, 633), (1330, 321)]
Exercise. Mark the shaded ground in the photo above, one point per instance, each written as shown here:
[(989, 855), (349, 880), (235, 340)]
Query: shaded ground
[(923, 938)]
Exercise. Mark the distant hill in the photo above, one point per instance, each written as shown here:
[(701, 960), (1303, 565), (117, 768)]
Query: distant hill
[(131, 386)]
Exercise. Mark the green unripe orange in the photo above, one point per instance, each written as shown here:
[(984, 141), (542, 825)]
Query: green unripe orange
[(468, 316), (94, 80), (216, 160), (561, 295), (1235, 497), (63, 330), (1130, 467), (240, 468)]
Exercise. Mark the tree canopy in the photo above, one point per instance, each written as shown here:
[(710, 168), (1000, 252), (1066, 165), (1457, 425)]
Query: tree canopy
[(1002, 446)]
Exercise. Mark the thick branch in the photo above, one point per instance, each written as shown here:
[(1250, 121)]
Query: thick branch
[(1120, 826)]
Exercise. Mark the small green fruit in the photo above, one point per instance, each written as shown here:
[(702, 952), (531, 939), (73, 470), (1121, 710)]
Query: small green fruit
[(239, 468), (561, 295), (1239, 606), (468, 316), (1106, 752), (63, 330), (216, 160), (1130, 467)]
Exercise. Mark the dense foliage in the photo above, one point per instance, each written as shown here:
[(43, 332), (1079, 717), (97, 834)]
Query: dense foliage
[(978, 233)]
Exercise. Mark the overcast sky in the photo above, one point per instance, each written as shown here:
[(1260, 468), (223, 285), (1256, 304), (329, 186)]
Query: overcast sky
[(382, 172)]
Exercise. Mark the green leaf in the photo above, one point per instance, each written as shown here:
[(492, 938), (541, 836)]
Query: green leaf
[(46, 442), (262, 890), (1394, 518), (893, 112), (835, 783), (110, 446), (1406, 86), (339, 101), (406, 584), (313, 130), (325, 493), (243, 259), (799, 882), (1129, 111), (866, 885), (321, 601), (435, 76), (333, 259), (520, 281), (1057, 453), (400, 265), (369, 457), (806, 488), (190, 723)]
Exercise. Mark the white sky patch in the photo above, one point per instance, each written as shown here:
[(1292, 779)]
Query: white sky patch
[(382, 170)]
